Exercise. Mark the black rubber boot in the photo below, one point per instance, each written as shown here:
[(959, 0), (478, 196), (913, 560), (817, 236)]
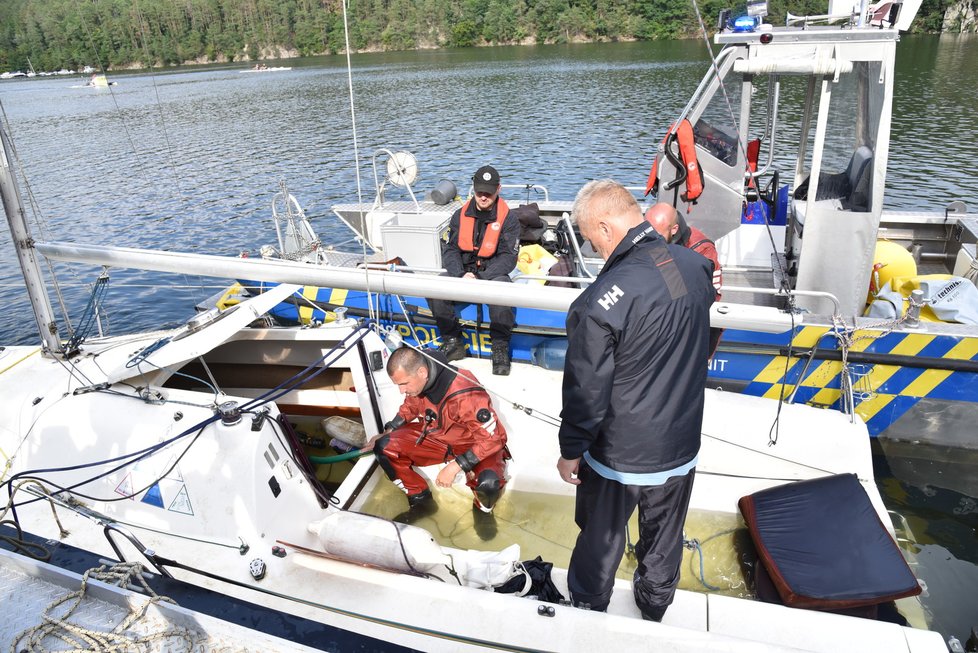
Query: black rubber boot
[(484, 523), (453, 348), (420, 505), (500, 358)]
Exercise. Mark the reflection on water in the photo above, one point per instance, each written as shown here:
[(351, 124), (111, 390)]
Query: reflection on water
[(188, 160), (934, 490)]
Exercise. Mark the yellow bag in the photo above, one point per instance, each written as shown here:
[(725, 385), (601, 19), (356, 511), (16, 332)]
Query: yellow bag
[(534, 259)]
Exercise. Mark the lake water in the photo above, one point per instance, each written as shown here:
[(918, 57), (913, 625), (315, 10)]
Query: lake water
[(189, 160)]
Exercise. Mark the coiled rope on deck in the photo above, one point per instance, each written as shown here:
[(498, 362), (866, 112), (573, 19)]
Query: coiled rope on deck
[(56, 628)]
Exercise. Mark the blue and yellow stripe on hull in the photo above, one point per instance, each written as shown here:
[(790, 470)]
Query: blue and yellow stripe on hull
[(883, 392), (314, 304), (901, 379)]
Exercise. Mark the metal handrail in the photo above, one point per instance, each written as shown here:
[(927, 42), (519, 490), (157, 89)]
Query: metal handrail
[(526, 187), (544, 277), (399, 268), (565, 217), (780, 293), (409, 268)]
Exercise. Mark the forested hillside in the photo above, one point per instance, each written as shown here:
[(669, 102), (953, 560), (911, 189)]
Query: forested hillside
[(58, 34)]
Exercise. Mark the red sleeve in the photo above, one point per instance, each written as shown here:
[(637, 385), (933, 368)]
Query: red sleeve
[(411, 409), (709, 250)]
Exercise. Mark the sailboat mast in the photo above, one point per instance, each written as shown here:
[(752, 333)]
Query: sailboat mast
[(24, 244)]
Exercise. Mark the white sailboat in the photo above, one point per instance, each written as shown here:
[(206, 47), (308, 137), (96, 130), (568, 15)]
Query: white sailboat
[(176, 448)]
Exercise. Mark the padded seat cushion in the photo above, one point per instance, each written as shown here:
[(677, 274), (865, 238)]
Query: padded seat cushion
[(824, 546)]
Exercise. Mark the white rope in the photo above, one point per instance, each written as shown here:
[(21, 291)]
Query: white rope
[(122, 638), (847, 338)]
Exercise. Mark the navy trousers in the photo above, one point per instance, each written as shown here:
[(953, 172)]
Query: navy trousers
[(602, 512), (501, 318)]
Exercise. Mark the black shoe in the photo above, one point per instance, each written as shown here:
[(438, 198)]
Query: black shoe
[(421, 498), (483, 522), (654, 614), (421, 505), (500, 358), (453, 348)]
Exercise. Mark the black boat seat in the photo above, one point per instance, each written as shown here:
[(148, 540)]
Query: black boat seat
[(847, 189), (822, 545)]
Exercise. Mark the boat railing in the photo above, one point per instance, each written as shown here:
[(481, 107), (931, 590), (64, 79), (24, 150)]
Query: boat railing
[(708, 79), (817, 19), (578, 256), (527, 188), (777, 292), (544, 277), (391, 267), (402, 170)]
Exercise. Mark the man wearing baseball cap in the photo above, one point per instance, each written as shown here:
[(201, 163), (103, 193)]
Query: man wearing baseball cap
[(482, 244)]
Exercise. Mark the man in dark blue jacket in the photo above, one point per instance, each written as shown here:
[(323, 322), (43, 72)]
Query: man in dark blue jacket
[(633, 393), (483, 242)]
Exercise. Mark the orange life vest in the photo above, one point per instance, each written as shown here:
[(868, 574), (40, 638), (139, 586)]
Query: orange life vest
[(753, 152), (490, 239), (653, 180), (687, 152)]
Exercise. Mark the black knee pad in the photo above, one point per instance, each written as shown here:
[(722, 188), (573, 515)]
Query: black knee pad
[(382, 459), (487, 488)]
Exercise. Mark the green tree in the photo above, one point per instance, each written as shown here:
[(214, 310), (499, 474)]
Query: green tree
[(500, 24), (464, 34)]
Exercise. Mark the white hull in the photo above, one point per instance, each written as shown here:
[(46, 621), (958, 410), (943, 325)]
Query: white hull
[(219, 495)]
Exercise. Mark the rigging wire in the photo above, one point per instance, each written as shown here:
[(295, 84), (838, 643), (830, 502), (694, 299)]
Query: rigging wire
[(39, 219), (356, 151), (527, 410), (127, 459), (101, 67), (303, 376), (774, 431), (172, 167), (90, 314)]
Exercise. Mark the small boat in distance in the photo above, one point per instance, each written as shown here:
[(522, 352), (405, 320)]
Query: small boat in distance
[(262, 68), (96, 81)]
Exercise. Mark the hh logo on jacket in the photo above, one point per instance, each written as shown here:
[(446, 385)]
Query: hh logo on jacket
[(611, 297)]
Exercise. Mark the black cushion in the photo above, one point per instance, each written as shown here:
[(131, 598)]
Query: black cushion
[(532, 225), (824, 546)]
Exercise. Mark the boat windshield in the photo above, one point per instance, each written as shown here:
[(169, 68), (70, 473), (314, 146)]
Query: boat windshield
[(716, 130)]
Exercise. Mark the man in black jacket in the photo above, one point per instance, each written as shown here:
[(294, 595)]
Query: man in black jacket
[(633, 394), (482, 244)]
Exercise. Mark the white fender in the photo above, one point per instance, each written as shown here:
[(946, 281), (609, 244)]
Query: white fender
[(345, 430), (372, 540)]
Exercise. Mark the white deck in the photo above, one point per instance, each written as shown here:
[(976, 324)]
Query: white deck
[(28, 587)]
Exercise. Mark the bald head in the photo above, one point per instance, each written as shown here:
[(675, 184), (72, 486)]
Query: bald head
[(605, 211), (664, 219)]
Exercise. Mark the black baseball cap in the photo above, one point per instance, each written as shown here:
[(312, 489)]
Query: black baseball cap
[(485, 180)]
